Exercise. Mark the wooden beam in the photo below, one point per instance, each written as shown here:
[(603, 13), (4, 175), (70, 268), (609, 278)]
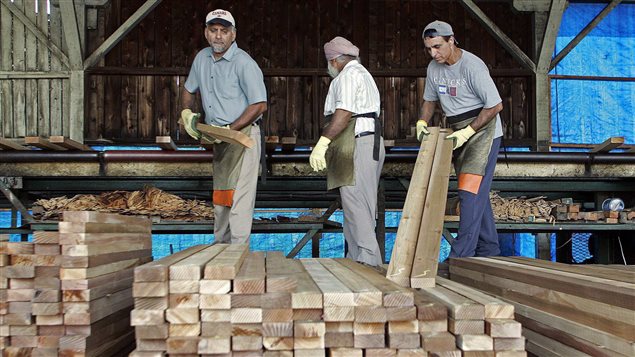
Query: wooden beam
[(34, 75), (119, 34), (585, 31), (502, 38), (166, 143), (71, 34), (551, 33), (9, 144), (543, 87), (42, 143), (532, 5), (61, 56), (69, 143), (608, 145)]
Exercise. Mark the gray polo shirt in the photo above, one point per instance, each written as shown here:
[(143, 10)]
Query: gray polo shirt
[(463, 86), (227, 85)]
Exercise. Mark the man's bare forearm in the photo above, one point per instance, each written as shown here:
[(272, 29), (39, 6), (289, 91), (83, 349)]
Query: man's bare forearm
[(251, 113), (427, 112), (485, 116), (338, 123)]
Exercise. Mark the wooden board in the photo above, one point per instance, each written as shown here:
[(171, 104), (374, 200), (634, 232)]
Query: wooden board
[(69, 143), (225, 134), (166, 143), (403, 251), (425, 264), (608, 145), (9, 144), (42, 143)]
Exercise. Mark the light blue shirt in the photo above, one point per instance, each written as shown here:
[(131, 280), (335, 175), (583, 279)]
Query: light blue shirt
[(227, 85)]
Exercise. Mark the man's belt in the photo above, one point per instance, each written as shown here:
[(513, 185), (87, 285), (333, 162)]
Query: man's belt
[(470, 114), (364, 133), (377, 132)]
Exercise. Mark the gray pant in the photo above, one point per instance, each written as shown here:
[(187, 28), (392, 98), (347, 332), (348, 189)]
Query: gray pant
[(359, 203), (233, 224)]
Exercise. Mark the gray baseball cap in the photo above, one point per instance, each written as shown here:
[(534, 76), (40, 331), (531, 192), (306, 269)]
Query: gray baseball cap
[(440, 28)]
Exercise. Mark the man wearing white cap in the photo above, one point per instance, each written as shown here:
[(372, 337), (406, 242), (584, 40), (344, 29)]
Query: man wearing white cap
[(351, 148), (234, 96), (461, 83)]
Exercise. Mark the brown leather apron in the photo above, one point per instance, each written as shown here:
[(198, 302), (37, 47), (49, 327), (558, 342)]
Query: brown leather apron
[(471, 158), (340, 158)]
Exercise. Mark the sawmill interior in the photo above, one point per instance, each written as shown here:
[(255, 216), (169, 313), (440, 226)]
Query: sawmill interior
[(107, 215)]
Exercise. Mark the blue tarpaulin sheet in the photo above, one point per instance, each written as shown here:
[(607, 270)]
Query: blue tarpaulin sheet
[(590, 111)]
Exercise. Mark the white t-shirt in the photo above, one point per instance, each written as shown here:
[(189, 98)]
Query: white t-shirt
[(463, 86), (354, 90)]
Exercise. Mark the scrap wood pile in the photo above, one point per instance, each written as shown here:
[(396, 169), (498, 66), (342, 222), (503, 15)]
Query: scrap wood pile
[(69, 293), (565, 310), (150, 201), (223, 300), (521, 209)]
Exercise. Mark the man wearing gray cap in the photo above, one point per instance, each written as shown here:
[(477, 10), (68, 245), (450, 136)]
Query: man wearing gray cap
[(461, 83), (351, 149), (234, 96)]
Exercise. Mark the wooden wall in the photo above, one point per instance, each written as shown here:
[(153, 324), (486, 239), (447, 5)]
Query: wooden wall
[(133, 94), (37, 105)]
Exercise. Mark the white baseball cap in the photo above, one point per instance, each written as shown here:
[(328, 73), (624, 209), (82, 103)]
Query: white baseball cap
[(220, 16)]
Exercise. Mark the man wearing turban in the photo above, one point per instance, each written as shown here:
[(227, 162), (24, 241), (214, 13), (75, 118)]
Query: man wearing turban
[(351, 148)]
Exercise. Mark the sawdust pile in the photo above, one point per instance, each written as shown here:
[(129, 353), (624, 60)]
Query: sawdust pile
[(149, 202)]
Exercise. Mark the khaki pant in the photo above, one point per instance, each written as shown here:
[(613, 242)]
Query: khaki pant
[(359, 203), (233, 224)]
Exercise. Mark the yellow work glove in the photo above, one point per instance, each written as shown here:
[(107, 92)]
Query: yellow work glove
[(460, 137), (422, 129), (318, 158), (189, 122)]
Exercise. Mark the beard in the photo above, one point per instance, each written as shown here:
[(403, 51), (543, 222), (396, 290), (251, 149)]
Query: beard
[(218, 48), (333, 72)]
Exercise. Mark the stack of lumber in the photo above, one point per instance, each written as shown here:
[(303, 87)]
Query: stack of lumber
[(223, 300), (481, 324), (18, 329), (70, 292), (150, 201), (416, 251), (564, 309)]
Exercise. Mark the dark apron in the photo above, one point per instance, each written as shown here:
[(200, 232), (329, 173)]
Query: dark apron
[(471, 158)]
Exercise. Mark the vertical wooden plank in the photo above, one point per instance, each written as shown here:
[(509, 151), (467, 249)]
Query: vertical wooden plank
[(112, 84), (56, 94), (31, 65), (146, 83), (44, 85), (129, 85), (93, 126), (295, 49), (19, 64), (163, 84), (6, 86)]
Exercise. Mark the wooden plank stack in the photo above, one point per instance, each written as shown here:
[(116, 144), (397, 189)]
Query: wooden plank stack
[(222, 300), (564, 309), (70, 292), (416, 250), (18, 329)]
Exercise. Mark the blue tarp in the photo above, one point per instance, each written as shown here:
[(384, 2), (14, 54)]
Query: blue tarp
[(590, 111)]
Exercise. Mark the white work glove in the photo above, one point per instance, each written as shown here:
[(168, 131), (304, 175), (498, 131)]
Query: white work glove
[(189, 122), (460, 137), (318, 158), (422, 129)]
